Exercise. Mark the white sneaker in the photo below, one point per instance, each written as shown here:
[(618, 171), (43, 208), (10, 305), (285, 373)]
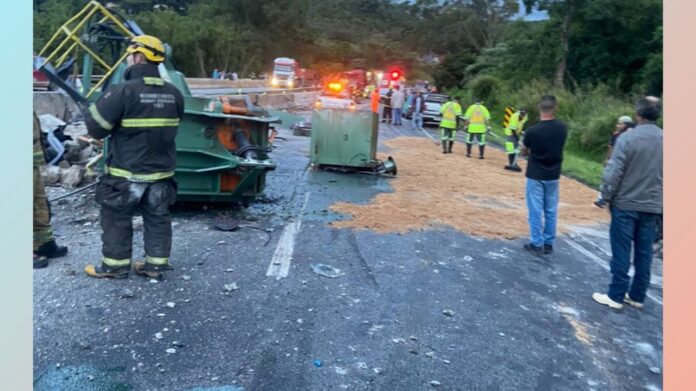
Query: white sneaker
[(602, 298), (627, 300)]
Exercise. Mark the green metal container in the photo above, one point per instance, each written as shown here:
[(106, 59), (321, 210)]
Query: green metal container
[(344, 138), (207, 170)]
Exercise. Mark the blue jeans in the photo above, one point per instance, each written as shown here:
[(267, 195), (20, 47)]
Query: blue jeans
[(396, 116), (417, 120), (637, 228), (542, 197)]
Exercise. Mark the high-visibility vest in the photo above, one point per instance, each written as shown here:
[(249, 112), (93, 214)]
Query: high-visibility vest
[(477, 115), (450, 111), (515, 125), (374, 101)]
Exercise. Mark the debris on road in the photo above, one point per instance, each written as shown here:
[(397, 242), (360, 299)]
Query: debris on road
[(171, 350), (230, 287), (448, 312), (171, 304), (326, 270), (427, 181), (317, 363), (435, 383), (125, 293), (185, 277)]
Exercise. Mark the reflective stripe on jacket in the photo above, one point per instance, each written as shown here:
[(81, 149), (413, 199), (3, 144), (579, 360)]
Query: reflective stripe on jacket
[(142, 116)]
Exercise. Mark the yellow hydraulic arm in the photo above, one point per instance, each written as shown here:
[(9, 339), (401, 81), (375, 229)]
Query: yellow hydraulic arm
[(59, 50)]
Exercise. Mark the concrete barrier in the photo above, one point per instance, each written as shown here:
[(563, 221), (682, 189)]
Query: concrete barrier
[(56, 104), (197, 82)]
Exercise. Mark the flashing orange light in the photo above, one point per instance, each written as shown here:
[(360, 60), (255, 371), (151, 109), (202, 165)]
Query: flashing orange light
[(335, 86), (317, 104)]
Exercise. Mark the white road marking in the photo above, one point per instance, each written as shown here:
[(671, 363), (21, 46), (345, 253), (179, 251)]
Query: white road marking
[(280, 263), (602, 263)]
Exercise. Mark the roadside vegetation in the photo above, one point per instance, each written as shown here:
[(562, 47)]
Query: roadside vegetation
[(596, 56)]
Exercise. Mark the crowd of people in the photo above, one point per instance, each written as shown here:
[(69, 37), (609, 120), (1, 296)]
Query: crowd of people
[(632, 180)]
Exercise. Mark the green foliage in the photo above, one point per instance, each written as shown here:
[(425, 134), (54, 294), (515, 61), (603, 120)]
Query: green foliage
[(486, 88)]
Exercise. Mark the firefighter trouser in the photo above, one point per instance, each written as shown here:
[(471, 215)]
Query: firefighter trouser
[(120, 199), (447, 134), (42, 226), (511, 144), (480, 138)]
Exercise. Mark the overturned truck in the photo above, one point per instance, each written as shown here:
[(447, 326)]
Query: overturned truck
[(222, 145)]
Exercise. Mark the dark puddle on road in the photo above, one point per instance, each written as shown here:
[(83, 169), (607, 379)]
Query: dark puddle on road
[(328, 187), (91, 378), (82, 378)]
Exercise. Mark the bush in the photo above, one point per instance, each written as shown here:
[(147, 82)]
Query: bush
[(486, 88)]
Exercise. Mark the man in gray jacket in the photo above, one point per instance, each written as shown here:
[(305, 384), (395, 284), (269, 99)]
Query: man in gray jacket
[(633, 188)]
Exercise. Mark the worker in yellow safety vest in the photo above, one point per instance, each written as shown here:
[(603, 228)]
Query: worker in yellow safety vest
[(451, 112), (477, 119), (513, 132)]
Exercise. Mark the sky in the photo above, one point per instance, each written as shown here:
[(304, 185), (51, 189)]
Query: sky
[(533, 16)]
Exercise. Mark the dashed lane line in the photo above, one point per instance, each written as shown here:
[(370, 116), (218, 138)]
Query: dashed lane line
[(280, 263)]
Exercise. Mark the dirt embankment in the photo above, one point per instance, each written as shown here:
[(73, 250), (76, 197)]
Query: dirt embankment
[(474, 196)]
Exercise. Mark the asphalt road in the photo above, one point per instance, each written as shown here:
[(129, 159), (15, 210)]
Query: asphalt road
[(424, 310)]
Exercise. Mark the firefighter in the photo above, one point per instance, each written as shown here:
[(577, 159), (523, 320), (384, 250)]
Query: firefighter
[(45, 246), (451, 112), (141, 116), (477, 120), (513, 132)]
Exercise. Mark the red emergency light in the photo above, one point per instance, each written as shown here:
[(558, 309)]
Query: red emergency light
[(395, 75)]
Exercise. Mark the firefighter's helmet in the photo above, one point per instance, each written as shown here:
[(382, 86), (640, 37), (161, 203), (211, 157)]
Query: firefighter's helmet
[(151, 47)]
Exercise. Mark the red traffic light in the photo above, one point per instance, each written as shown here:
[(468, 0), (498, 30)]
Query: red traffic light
[(395, 75)]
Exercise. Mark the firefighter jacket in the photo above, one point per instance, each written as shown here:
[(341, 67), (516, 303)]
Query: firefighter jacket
[(38, 149), (142, 116)]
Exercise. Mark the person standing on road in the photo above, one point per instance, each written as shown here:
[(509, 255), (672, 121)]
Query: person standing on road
[(374, 105), (477, 120), (513, 131), (543, 143), (141, 116), (451, 112), (386, 107), (632, 187), (45, 246), (623, 124), (417, 109), (397, 102)]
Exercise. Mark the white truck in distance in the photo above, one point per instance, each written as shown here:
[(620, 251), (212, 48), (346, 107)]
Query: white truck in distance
[(284, 72)]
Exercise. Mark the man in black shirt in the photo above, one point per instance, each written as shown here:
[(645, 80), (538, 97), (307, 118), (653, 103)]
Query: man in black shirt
[(543, 143)]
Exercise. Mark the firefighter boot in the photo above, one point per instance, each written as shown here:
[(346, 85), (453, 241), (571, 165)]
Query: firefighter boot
[(444, 146), (481, 148), (103, 271), (468, 150), (40, 261), (51, 250), (149, 270), (449, 147)]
